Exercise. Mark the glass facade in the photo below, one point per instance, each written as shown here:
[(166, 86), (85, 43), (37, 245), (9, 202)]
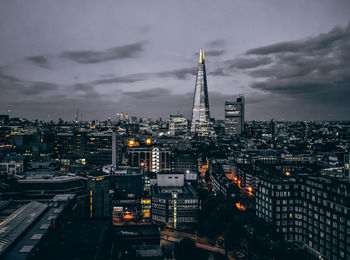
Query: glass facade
[(234, 116), (200, 112)]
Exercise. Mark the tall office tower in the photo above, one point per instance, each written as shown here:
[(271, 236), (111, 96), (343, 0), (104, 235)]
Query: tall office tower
[(200, 112), (234, 116)]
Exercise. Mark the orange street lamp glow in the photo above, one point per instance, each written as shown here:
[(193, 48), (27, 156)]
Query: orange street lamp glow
[(128, 215), (240, 207), (250, 189), (148, 141), (287, 173)]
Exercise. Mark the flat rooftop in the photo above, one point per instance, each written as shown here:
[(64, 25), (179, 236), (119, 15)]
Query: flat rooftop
[(185, 191), (25, 228), (47, 178), (18, 222)]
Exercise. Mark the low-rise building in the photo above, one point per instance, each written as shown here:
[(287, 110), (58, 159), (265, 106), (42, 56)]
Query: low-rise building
[(174, 202)]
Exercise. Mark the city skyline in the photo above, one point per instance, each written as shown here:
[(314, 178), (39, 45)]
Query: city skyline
[(289, 60), (175, 129)]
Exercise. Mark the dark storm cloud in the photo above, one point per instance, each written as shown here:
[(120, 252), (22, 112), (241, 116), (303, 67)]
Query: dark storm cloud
[(248, 63), (319, 43), (83, 89), (36, 88), (121, 79), (218, 72), (147, 93), (16, 87), (120, 52), (176, 73), (47, 100), (216, 43), (181, 74), (214, 53), (6, 80), (313, 71), (40, 61)]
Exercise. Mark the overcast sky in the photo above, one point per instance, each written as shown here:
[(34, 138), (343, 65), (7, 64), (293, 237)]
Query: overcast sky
[(291, 59)]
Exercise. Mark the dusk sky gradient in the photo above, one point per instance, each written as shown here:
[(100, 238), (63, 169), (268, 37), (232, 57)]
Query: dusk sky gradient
[(291, 59)]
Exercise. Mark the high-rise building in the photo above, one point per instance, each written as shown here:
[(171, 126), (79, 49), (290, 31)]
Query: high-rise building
[(200, 111), (178, 125), (234, 116)]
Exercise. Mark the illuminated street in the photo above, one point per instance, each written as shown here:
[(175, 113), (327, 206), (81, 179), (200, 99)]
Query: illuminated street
[(200, 242)]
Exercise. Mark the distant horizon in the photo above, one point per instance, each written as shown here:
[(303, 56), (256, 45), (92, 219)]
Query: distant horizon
[(167, 119)]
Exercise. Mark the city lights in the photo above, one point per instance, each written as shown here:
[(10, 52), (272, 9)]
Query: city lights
[(240, 206), (130, 143)]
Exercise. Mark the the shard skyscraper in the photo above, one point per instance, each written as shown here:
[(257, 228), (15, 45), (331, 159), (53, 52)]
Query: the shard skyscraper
[(200, 111)]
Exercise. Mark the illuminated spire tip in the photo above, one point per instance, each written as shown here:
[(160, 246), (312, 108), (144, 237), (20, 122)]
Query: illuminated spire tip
[(201, 56)]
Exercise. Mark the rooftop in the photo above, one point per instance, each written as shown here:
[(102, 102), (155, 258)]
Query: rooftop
[(184, 192), (28, 225), (122, 171), (18, 222), (46, 177)]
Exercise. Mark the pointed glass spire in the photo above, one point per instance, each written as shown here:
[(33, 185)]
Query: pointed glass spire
[(201, 56), (200, 111)]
